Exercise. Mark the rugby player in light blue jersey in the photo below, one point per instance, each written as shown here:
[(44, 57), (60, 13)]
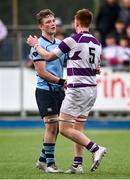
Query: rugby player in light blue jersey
[(84, 52), (49, 89)]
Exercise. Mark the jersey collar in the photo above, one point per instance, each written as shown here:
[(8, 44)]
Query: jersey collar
[(85, 32), (48, 40)]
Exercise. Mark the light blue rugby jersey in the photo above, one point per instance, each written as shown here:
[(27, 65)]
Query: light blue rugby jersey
[(54, 67)]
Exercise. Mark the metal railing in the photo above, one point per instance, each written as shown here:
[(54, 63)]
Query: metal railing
[(16, 51)]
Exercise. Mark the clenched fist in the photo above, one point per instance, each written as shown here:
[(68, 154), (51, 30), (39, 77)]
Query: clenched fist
[(32, 41)]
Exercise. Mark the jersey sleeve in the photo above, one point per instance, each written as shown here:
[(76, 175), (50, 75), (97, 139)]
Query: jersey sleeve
[(35, 56), (64, 47)]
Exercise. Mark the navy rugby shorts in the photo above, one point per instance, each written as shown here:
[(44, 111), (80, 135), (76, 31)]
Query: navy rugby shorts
[(49, 102)]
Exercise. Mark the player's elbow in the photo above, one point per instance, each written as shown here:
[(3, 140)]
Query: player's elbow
[(41, 73)]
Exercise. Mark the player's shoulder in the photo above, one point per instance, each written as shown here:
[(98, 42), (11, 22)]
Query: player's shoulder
[(85, 37), (57, 41), (33, 53), (93, 39), (70, 39), (75, 36), (42, 41)]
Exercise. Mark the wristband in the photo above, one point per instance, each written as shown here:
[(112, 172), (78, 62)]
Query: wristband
[(61, 82), (36, 45)]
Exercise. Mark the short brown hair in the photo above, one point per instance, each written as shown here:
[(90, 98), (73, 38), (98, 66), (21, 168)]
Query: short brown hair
[(42, 14), (84, 16)]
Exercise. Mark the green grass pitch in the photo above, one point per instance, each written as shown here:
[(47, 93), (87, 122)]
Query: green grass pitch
[(20, 148)]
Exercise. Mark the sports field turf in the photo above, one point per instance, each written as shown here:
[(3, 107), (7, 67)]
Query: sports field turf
[(19, 150)]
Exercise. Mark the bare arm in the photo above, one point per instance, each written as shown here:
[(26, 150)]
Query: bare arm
[(43, 73), (33, 41)]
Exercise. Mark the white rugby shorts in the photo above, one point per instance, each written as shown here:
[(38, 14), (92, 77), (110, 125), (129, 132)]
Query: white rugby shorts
[(79, 101)]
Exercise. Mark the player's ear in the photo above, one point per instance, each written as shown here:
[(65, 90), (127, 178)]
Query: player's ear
[(76, 23)]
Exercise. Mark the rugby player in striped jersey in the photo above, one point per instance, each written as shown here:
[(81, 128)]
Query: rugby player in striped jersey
[(84, 52)]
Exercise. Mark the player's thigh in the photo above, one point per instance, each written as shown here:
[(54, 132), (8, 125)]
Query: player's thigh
[(88, 98), (79, 125), (70, 103), (66, 121)]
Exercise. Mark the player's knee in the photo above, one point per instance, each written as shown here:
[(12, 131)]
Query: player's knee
[(62, 129), (52, 128), (65, 127)]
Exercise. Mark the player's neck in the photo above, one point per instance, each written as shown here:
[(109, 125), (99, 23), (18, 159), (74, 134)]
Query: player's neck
[(82, 29), (48, 36)]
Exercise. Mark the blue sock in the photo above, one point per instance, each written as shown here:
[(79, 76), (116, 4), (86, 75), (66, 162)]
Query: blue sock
[(42, 157), (49, 151)]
